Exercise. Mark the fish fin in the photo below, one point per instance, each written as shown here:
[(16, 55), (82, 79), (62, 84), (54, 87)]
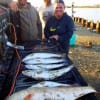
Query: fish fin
[(28, 97)]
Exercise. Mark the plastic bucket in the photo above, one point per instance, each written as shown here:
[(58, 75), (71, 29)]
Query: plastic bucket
[(73, 40)]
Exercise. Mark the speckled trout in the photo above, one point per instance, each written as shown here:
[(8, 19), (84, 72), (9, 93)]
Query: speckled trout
[(49, 84), (40, 56), (45, 66), (46, 75), (44, 61)]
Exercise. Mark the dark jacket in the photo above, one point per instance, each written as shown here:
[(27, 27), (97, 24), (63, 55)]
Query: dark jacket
[(63, 27)]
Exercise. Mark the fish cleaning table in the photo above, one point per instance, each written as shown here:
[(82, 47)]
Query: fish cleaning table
[(15, 81)]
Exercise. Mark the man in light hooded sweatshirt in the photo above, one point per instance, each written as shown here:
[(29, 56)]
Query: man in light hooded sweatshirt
[(45, 12)]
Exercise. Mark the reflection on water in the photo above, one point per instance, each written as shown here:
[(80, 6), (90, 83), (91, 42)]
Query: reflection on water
[(87, 13)]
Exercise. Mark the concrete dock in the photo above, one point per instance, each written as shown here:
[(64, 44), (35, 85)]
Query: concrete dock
[(86, 35)]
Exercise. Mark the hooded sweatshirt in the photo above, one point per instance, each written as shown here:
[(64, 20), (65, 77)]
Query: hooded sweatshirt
[(31, 28), (62, 27)]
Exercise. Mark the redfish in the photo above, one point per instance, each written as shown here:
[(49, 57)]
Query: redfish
[(56, 93)]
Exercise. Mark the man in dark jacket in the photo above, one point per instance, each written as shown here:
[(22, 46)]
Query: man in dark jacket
[(60, 26)]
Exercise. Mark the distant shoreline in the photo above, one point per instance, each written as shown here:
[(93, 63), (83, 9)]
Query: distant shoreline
[(84, 6)]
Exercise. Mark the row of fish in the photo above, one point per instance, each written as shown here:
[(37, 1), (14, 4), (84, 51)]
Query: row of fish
[(38, 61), (48, 90), (39, 66), (55, 93), (46, 75)]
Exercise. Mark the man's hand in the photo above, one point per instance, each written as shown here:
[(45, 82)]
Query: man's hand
[(13, 6), (55, 37)]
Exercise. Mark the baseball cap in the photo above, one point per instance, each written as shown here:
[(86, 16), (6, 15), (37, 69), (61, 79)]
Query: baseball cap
[(59, 1)]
